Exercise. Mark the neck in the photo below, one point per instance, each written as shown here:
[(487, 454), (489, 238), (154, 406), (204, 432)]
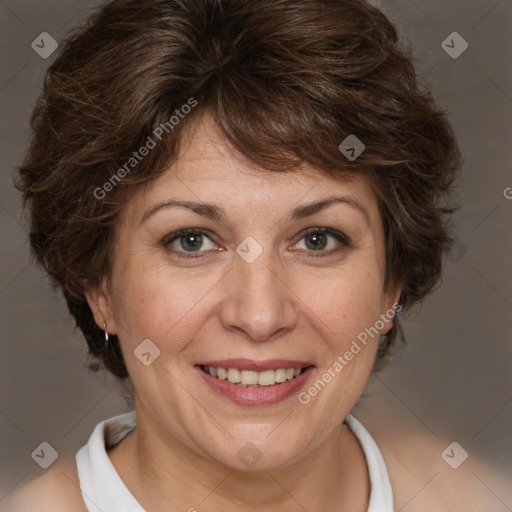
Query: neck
[(160, 470)]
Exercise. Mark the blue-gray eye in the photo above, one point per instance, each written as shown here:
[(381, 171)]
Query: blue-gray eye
[(189, 240)]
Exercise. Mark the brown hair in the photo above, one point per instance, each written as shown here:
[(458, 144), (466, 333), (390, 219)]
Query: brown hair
[(286, 80)]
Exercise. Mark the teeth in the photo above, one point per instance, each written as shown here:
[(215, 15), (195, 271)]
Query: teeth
[(267, 378), (249, 377), (233, 375), (280, 375), (252, 378)]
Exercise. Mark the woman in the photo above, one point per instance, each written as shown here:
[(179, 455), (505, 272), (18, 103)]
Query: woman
[(238, 199)]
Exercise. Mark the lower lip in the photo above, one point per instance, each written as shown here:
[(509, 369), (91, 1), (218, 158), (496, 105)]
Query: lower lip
[(265, 395)]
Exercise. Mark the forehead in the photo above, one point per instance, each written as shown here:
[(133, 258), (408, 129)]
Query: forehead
[(208, 169)]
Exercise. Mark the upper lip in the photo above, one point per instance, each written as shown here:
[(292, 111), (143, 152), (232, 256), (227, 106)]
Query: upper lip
[(250, 364)]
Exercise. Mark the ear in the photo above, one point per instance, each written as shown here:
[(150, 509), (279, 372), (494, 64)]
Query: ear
[(390, 306), (99, 301)]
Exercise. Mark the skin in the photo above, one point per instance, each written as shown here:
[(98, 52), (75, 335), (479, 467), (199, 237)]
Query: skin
[(286, 304), (183, 455)]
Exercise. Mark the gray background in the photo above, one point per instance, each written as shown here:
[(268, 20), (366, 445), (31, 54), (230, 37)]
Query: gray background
[(453, 381)]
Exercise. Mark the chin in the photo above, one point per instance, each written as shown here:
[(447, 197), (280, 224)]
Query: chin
[(264, 450)]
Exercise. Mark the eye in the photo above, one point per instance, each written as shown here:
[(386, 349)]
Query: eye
[(185, 242), (323, 240), (188, 241)]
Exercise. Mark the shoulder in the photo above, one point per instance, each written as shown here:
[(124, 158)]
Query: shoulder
[(422, 480), (57, 490)]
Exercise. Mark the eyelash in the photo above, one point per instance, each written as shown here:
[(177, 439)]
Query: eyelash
[(340, 237)]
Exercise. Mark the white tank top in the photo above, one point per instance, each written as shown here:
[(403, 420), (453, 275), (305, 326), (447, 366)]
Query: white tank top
[(104, 491)]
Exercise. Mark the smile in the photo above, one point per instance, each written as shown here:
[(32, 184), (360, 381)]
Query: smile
[(251, 383), (251, 378)]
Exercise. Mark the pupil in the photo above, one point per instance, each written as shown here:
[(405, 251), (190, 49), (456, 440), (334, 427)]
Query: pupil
[(317, 243), (193, 241)]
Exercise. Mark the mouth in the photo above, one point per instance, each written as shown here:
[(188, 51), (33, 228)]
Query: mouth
[(252, 378), (249, 383)]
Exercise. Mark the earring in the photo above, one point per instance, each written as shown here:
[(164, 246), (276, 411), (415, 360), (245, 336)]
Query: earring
[(106, 336)]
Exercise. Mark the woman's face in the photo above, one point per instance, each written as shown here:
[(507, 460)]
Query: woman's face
[(247, 289)]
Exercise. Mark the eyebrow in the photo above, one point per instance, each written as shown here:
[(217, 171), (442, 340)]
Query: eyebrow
[(215, 213)]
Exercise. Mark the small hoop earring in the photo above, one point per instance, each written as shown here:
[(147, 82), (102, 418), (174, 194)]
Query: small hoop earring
[(106, 335)]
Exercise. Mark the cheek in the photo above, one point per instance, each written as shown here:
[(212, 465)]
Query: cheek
[(158, 303), (167, 305), (341, 311), (342, 302)]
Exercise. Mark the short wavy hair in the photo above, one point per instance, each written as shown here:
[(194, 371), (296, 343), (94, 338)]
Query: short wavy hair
[(285, 80)]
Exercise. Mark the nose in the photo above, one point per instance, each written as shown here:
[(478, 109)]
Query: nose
[(259, 303)]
